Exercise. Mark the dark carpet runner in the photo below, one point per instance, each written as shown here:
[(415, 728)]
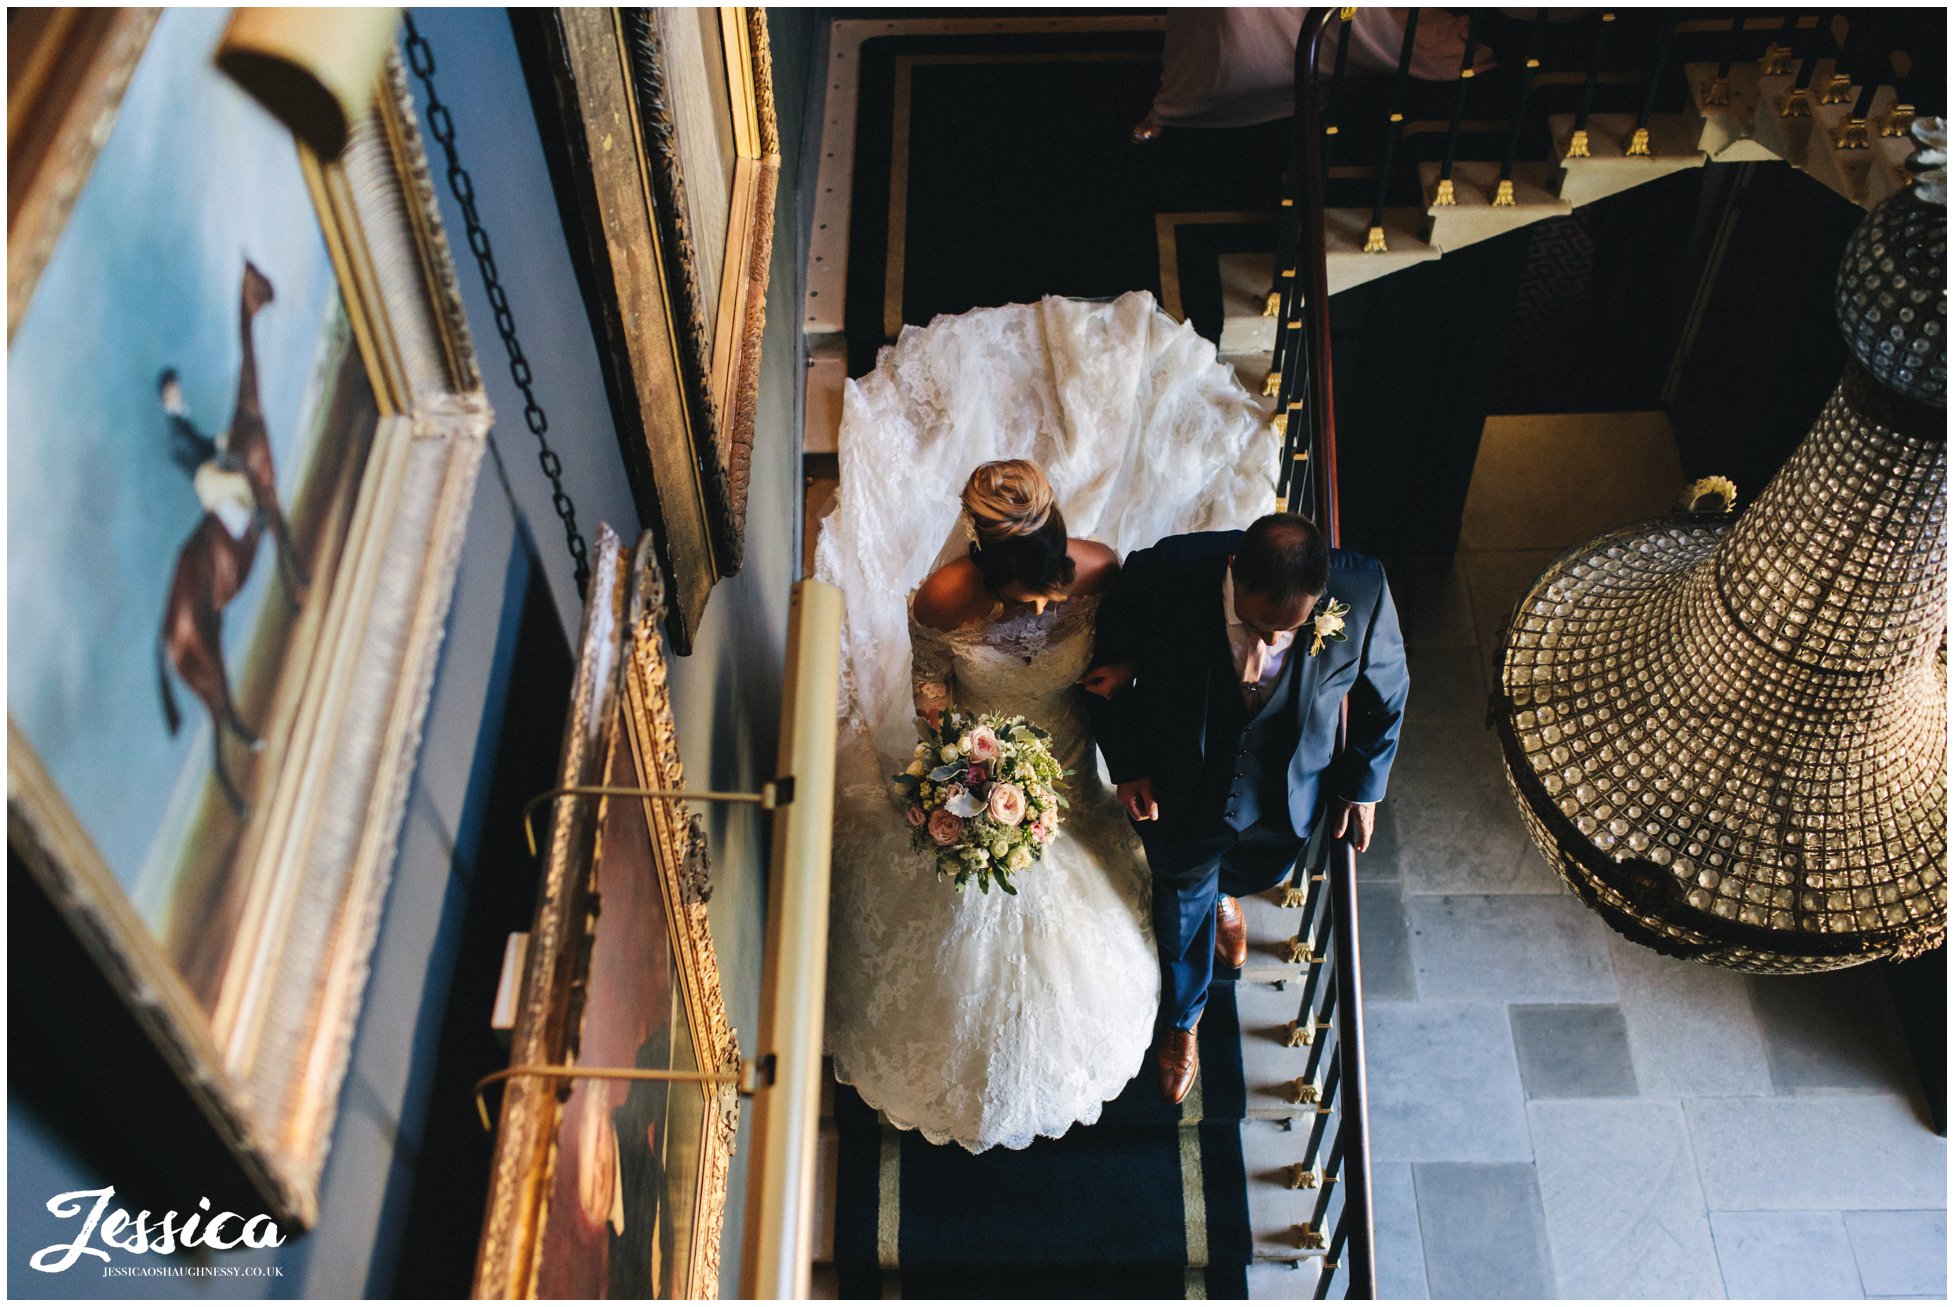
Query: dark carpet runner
[(1150, 1201)]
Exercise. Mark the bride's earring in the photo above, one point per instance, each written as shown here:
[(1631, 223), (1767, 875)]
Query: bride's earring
[(969, 527)]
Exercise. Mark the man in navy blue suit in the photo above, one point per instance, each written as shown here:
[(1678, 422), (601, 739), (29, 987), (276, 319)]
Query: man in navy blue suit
[(1221, 660)]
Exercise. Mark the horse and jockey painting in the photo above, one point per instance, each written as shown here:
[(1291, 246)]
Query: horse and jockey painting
[(164, 562)]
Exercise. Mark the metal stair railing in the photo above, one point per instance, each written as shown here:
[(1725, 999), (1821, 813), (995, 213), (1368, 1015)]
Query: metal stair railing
[(1336, 1159)]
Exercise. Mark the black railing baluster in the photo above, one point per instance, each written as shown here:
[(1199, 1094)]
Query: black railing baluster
[(1324, 1111), (1443, 193), (1334, 119), (1503, 193), (1303, 1029), (1840, 83), (1314, 1234), (1898, 118), (1718, 91), (1332, 1259), (1638, 143), (1311, 1066), (1577, 141), (1374, 242), (1797, 101), (1853, 134)]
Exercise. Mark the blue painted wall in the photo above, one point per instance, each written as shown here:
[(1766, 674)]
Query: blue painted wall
[(725, 695)]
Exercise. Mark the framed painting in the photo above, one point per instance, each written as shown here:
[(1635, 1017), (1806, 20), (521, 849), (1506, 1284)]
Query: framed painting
[(606, 1187), (244, 424), (671, 235)]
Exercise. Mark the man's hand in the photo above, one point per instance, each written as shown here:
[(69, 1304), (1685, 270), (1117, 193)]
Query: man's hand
[(1360, 819), (1137, 798), (1107, 679)]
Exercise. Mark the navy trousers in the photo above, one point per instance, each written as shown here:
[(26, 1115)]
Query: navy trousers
[(1187, 879)]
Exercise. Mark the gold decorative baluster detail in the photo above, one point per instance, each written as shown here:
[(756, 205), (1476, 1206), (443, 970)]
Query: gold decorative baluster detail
[(1796, 104), (1898, 121), (1295, 896), (1718, 92), (1503, 197), (1272, 384), (1577, 145), (1444, 197), (1273, 305), (1308, 1236), (1280, 422), (1776, 60), (1302, 1177), (1852, 136), (1374, 241), (1304, 951), (1835, 89), (1638, 144), (1304, 1091), (1302, 1033)]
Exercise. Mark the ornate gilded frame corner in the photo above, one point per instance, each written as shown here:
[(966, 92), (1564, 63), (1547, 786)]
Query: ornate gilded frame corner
[(620, 685), (685, 394), (266, 1067)]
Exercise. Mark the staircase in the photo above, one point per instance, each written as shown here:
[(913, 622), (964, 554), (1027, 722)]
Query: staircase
[(1281, 1098), (1574, 113), (1761, 106)]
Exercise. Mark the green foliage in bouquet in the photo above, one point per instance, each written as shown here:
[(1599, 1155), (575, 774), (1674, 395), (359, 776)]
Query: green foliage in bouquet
[(983, 796)]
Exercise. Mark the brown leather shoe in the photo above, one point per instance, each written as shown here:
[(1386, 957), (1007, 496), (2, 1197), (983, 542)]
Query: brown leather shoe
[(1230, 933), (1176, 1059)]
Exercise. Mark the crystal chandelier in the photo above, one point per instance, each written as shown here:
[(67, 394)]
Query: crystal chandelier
[(1731, 739)]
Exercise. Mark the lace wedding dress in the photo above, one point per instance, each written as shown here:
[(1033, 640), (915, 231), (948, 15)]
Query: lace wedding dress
[(993, 1019)]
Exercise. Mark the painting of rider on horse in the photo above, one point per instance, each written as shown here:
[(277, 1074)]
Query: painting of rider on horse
[(176, 519)]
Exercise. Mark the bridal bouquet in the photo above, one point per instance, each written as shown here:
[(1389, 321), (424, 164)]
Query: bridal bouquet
[(983, 795)]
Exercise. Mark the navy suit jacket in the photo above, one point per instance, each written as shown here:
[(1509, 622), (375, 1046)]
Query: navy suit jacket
[(1164, 617)]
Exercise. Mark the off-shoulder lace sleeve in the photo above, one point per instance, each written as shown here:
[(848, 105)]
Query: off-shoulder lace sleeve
[(929, 666)]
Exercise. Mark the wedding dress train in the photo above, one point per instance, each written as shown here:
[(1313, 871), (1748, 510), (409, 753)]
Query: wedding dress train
[(993, 1019)]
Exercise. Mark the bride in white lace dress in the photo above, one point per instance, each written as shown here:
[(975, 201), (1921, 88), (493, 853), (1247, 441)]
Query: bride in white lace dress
[(993, 1019)]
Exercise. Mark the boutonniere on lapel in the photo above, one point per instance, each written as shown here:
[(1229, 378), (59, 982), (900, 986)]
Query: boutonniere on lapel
[(1328, 625)]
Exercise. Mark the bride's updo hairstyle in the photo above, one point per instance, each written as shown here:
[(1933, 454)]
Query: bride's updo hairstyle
[(1020, 534)]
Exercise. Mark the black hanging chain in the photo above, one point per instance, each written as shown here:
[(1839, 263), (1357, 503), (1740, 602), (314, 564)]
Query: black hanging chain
[(441, 126)]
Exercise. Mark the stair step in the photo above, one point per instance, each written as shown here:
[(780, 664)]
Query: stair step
[(827, 375), (1269, 1149), (1850, 172), (1270, 929), (1786, 138), (1473, 217), (1608, 170), (1246, 277), (1729, 134)]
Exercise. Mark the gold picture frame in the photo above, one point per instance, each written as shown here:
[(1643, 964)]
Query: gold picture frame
[(660, 129), (620, 974), (262, 1041)]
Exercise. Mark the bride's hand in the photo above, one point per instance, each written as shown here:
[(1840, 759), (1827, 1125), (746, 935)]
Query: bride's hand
[(1107, 679)]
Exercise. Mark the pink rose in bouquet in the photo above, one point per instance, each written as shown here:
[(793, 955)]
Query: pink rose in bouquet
[(945, 827), (983, 744), (916, 816), (1007, 805)]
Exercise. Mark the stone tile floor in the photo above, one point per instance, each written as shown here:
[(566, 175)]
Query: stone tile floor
[(1557, 1112)]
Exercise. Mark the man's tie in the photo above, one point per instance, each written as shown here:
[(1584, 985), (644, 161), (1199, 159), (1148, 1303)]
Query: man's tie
[(1253, 671)]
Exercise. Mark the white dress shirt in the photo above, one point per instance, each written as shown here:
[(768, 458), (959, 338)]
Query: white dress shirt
[(1248, 647)]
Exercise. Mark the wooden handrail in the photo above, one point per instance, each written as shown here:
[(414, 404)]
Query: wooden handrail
[(1319, 413)]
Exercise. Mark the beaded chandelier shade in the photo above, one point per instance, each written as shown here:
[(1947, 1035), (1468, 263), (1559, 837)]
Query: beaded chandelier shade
[(1731, 740)]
